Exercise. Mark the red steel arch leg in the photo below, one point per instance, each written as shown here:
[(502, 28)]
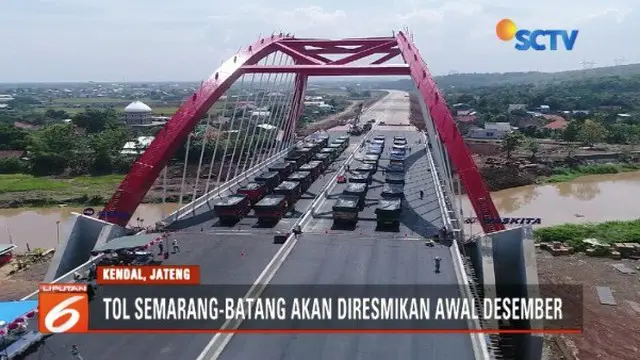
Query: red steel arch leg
[(148, 166), (470, 177), (297, 106)]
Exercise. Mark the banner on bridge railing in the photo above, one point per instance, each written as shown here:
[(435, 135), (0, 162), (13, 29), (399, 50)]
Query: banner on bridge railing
[(171, 299)]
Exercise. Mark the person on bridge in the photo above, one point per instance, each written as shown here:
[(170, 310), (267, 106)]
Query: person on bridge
[(438, 260), (75, 352), (176, 248), (443, 233), (421, 194)]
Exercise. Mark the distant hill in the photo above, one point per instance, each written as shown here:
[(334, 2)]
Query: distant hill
[(515, 78)]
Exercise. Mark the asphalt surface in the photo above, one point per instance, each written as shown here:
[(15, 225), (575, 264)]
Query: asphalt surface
[(322, 256), (420, 217)]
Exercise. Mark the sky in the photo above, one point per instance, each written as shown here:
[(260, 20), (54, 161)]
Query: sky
[(169, 40)]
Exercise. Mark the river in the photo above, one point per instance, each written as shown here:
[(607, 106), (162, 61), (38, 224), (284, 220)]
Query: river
[(586, 199)]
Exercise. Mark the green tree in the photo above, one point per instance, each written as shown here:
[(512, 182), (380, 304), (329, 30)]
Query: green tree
[(570, 133), (56, 114), (59, 138), (592, 132), (94, 121), (533, 147), (12, 138), (511, 142)]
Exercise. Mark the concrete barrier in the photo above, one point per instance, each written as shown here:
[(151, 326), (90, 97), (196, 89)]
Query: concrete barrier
[(83, 236), (509, 259), (478, 341)]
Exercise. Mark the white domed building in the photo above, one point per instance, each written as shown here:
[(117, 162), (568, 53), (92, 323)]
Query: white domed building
[(137, 113)]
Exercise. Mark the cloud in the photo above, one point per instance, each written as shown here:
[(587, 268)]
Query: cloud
[(165, 39)]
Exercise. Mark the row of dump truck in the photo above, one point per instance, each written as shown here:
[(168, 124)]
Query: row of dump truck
[(352, 200), (274, 193)]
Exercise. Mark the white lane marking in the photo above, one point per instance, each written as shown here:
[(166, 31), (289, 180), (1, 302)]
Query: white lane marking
[(221, 340)]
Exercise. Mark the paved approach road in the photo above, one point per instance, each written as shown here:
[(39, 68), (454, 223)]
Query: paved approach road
[(239, 256)]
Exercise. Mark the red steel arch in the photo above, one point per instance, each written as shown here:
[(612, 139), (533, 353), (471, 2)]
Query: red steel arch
[(309, 58)]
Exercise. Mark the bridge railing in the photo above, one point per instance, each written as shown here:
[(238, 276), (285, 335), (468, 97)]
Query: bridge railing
[(68, 277), (478, 341)]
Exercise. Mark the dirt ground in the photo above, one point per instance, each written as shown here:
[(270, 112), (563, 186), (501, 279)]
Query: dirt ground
[(23, 283), (610, 332)]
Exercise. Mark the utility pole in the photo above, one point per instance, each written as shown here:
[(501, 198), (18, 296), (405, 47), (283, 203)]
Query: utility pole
[(58, 232)]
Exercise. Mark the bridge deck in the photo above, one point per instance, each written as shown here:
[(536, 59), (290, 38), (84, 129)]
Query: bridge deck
[(366, 256), (361, 256)]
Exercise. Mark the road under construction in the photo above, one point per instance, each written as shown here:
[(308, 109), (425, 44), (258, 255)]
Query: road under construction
[(246, 253)]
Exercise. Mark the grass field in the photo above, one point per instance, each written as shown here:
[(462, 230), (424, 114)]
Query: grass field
[(91, 100), (608, 232), (20, 183), (569, 174)]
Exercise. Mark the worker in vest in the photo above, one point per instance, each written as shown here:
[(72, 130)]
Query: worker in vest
[(75, 352), (438, 260)]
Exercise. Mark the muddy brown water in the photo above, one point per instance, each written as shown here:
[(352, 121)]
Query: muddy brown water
[(586, 199), (593, 198), (39, 227)]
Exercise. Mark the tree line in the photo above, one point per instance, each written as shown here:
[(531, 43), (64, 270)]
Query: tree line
[(92, 143)]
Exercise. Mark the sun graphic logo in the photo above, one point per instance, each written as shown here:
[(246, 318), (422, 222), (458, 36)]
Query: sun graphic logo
[(506, 30)]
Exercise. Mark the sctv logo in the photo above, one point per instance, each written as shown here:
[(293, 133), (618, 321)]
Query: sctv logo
[(535, 39)]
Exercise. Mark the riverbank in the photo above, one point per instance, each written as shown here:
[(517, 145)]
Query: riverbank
[(608, 232), (500, 174)]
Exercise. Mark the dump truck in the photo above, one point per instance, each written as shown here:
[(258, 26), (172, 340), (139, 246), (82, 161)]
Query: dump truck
[(270, 179), (345, 209), (230, 209), (312, 145), (392, 191), (343, 142), (396, 159), (283, 168), (395, 168), (399, 148), (388, 212), (306, 154), (323, 158), (314, 167), (400, 140), (271, 209), (303, 177), (323, 140), (253, 190), (374, 150), (332, 152), (379, 143), (297, 158), (371, 159), (290, 189), (360, 177), (359, 190), (394, 178), (340, 145), (366, 168)]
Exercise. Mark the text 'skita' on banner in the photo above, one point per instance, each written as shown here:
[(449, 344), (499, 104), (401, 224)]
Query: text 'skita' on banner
[(146, 274)]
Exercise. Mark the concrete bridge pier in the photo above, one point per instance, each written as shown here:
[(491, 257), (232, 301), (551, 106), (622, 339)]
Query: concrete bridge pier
[(86, 232)]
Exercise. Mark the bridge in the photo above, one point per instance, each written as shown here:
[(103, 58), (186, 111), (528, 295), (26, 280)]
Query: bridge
[(220, 143)]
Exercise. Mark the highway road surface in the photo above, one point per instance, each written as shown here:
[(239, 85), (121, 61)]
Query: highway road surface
[(241, 255)]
